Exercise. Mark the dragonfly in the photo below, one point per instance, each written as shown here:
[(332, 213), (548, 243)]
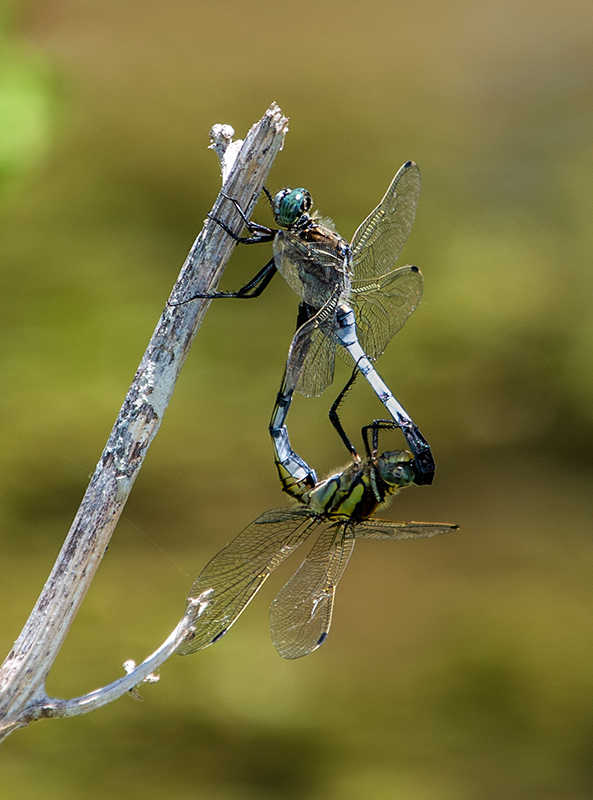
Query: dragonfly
[(351, 294), (340, 509)]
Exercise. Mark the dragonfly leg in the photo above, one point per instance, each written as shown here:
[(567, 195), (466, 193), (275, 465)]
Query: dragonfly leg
[(305, 313), (420, 448), (376, 426), (237, 205), (259, 282), (252, 288), (261, 233), (296, 476), (335, 420), (268, 194), (253, 227)]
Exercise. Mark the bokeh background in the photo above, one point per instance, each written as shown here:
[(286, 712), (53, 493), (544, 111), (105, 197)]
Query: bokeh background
[(458, 668)]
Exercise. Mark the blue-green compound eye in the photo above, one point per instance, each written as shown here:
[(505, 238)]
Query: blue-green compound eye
[(290, 204)]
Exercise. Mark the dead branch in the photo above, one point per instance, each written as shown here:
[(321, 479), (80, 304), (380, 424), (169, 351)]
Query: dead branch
[(24, 671)]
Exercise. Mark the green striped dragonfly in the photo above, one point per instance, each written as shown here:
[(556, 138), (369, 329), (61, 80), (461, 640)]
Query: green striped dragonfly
[(340, 509)]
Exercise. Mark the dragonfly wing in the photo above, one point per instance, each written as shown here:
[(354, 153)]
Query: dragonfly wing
[(288, 253), (386, 529), (311, 358), (301, 613), (313, 262), (283, 515), (379, 240), (382, 306), (232, 578)]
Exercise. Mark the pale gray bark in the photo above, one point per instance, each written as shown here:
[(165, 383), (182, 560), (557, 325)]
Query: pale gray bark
[(23, 673)]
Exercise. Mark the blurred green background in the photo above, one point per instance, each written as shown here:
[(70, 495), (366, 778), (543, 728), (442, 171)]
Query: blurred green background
[(459, 668)]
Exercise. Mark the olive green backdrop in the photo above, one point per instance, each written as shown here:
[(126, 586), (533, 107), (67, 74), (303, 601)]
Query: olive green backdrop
[(457, 669)]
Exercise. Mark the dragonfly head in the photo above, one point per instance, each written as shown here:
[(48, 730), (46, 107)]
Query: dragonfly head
[(289, 205), (396, 467)]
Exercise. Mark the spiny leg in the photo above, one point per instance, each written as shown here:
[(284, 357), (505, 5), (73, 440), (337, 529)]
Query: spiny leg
[(305, 313), (252, 288), (376, 426), (335, 420), (262, 232), (269, 196), (420, 448), (260, 281)]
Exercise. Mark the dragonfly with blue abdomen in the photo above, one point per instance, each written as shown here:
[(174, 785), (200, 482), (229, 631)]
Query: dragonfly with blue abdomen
[(340, 508), (351, 295)]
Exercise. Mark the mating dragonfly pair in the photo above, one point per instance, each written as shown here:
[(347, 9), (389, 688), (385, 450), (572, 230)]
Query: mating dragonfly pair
[(352, 296)]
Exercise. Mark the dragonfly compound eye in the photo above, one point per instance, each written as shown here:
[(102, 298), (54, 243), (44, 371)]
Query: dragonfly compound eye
[(290, 204), (397, 467)]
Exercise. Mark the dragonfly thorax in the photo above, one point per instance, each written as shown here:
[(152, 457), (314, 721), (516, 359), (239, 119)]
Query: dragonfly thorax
[(358, 490), (289, 205)]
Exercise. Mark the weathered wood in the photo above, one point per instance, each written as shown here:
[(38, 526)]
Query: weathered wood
[(23, 673)]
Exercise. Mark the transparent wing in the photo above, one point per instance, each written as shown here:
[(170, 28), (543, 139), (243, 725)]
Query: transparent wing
[(386, 529), (230, 581), (301, 613), (311, 358), (312, 264), (379, 240), (287, 253), (382, 307)]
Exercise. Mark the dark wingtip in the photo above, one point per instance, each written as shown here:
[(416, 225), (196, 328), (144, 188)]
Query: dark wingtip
[(408, 164), (414, 268)]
